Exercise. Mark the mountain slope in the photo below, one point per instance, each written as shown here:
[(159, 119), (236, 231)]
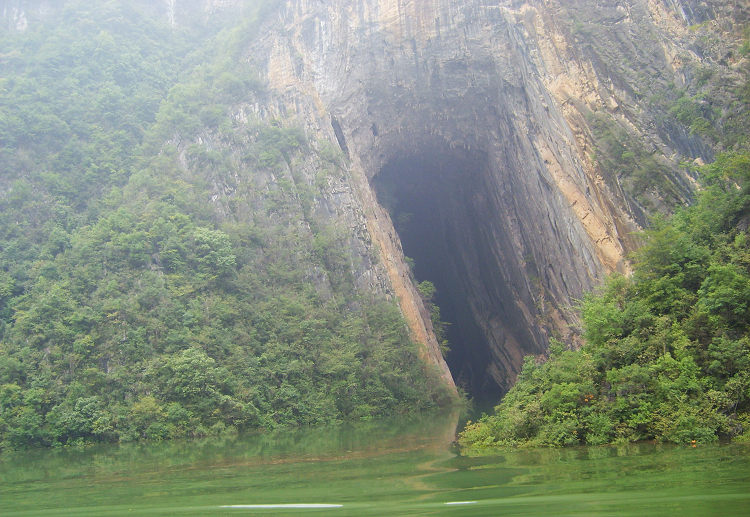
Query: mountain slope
[(169, 269)]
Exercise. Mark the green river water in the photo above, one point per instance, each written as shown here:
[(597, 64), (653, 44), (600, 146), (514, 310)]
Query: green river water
[(396, 467)]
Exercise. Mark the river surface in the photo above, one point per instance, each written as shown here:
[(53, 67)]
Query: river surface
[(405, 466)]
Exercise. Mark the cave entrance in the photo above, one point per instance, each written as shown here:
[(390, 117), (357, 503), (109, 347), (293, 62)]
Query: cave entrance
[(439, 205)]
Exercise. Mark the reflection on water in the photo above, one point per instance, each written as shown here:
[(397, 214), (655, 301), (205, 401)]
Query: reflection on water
[(403, 466)]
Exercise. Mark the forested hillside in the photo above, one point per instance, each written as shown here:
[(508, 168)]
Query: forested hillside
[(134, 306)]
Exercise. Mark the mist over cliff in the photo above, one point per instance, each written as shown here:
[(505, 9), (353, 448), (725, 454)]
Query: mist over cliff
[(284, 194)]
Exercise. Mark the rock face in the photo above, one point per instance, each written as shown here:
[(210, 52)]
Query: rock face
[(465, 124), (473, 136)]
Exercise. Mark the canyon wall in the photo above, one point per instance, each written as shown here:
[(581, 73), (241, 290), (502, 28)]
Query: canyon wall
[(509, 94)]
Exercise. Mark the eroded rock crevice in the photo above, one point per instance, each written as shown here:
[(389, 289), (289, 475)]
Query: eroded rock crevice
[(434, 197), (497, 282)]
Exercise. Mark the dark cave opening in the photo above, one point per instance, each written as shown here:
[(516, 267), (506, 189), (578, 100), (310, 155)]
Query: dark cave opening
[(439, 205)]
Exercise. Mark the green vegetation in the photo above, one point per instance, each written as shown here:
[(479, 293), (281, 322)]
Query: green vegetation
[(427, 291), (163, 272), (701, 109), (627, 161), (667, 353), (696, 114), (715, 103)]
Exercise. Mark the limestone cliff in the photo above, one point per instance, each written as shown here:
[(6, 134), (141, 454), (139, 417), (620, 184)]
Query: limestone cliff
[(480, 122)]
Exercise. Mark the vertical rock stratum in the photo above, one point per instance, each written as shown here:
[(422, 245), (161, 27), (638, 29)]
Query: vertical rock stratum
[(471, 131)]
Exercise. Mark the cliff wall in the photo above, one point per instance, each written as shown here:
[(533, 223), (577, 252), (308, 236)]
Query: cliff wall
[(514, 95)]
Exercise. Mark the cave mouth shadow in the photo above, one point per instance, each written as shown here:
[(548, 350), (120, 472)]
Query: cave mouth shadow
[(437, 200)]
